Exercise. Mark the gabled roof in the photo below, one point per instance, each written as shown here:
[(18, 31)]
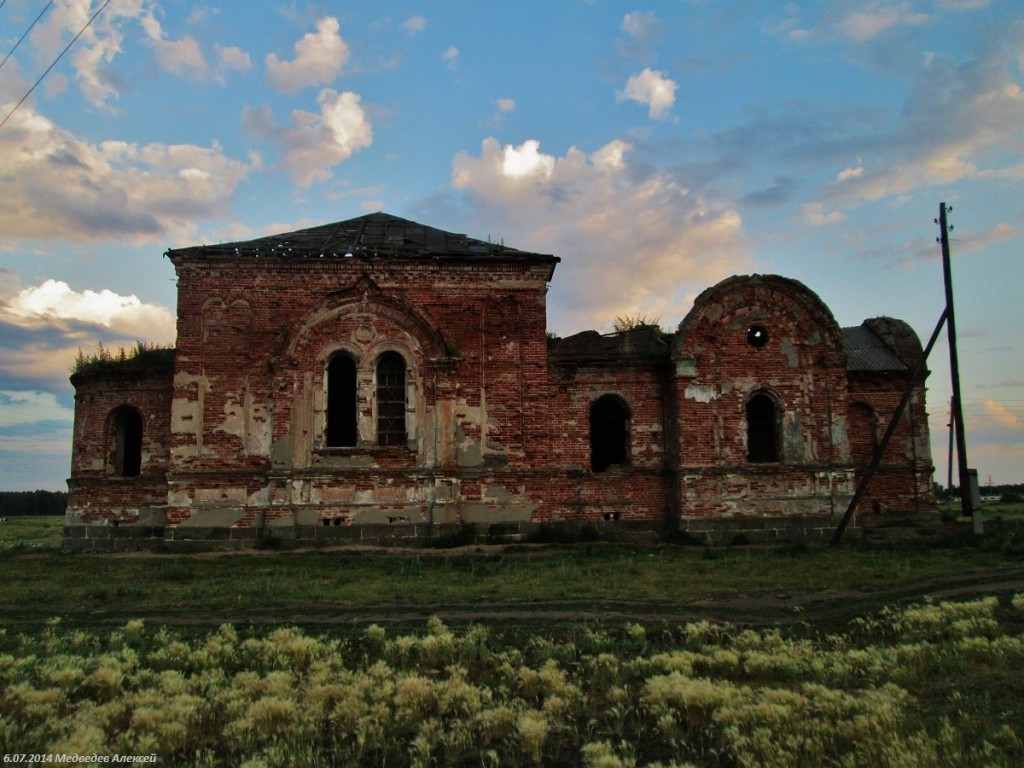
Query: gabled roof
[(374, 235)]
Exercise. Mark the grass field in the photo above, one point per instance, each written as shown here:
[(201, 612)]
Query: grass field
[(593, 654)]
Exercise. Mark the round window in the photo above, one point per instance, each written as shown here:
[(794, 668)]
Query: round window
[(757, 336)]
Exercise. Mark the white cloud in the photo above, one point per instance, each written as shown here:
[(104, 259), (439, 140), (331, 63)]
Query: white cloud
[(55, 300), (850, 173), (100, 42), (30, 406), (629, 242), (878, 18), (506, 105), (233, 58), (815, 215), (652, 88), (451, 56), (314, 143), (414, 25), (318, 60), (60, 187)]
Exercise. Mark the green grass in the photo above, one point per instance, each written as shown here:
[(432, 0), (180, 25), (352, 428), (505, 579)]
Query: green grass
[(31, 532)]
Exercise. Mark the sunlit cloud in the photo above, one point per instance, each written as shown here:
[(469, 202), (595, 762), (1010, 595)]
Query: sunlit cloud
[(314, 144), (1001, 415), (54, 299), (319, 58), (414, 25), (630, 242), (652, 88), (60, 187)]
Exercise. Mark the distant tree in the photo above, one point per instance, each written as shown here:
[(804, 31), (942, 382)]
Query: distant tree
[(18, 503)]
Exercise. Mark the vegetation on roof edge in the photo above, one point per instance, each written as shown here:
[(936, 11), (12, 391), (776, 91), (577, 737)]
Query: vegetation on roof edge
[(142, 357)]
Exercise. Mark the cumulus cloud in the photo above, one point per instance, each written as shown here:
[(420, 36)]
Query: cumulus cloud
[(319, 57), (506, 105), (233, 58), (315, 143), (652, 88), (60, 187), (55, 300), (451, 56), (630, 242), (97, 47)]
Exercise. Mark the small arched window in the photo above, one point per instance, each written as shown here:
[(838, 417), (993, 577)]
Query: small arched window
[(127, 428), (609, 433), (391, 399), (762, 429), (341, 402)]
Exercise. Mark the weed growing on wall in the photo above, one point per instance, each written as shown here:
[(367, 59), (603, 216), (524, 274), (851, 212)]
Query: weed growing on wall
[(919, 686)]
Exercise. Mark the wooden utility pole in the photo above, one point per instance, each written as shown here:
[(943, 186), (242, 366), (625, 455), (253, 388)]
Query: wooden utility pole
[(966, 502)]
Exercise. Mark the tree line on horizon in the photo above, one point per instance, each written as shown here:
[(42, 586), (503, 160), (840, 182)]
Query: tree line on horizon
[(21, 503)]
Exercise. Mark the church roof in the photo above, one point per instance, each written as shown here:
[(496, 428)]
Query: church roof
[(866, 351), (374, 235)]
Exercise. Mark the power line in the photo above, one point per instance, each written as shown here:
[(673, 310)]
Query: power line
[(45, 9), (59, 57)]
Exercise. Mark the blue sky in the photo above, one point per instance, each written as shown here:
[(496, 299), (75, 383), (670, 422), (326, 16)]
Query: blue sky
[(656, 147)]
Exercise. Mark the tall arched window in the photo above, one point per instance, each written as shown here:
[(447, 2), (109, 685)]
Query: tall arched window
[(391, 399), (127, 426), (341, 402), (609, 435), (762, 429)]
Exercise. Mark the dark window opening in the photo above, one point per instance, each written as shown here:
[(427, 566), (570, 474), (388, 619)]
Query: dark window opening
[(608, 433), (127, 442), (762, 430), (391, 399), (341, 402), (757, 336)]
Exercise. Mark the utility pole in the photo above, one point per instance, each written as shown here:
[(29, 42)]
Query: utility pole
[(966, 502)]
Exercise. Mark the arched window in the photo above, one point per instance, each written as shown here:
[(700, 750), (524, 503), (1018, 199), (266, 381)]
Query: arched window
[(391, 399), (762, 429), (127, 426), (341, 402), (609, 433)]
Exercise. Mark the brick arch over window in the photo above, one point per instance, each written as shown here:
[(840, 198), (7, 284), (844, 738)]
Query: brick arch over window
[(609, 432), (125, 430), (764, 425), (367, 300)]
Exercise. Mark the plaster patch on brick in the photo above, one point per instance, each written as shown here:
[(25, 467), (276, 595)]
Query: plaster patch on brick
[(213, 517), (701, 393), (792, 359)]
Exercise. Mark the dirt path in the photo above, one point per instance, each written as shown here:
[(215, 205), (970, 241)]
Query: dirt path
[(755, 609)]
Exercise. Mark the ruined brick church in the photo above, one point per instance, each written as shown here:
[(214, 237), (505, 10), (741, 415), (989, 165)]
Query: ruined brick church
[(378, 379)]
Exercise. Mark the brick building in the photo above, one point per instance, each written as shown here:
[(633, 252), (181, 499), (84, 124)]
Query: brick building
[(381, 379)]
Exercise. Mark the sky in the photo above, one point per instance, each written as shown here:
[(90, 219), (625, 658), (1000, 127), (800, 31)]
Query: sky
[(656, 147)]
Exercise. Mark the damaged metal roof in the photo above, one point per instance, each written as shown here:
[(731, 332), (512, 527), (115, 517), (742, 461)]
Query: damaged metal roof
[(374, 235), (866, 351)]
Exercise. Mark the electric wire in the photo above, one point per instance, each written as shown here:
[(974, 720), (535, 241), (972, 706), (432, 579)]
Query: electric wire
[(30, 26), (59, 57)]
